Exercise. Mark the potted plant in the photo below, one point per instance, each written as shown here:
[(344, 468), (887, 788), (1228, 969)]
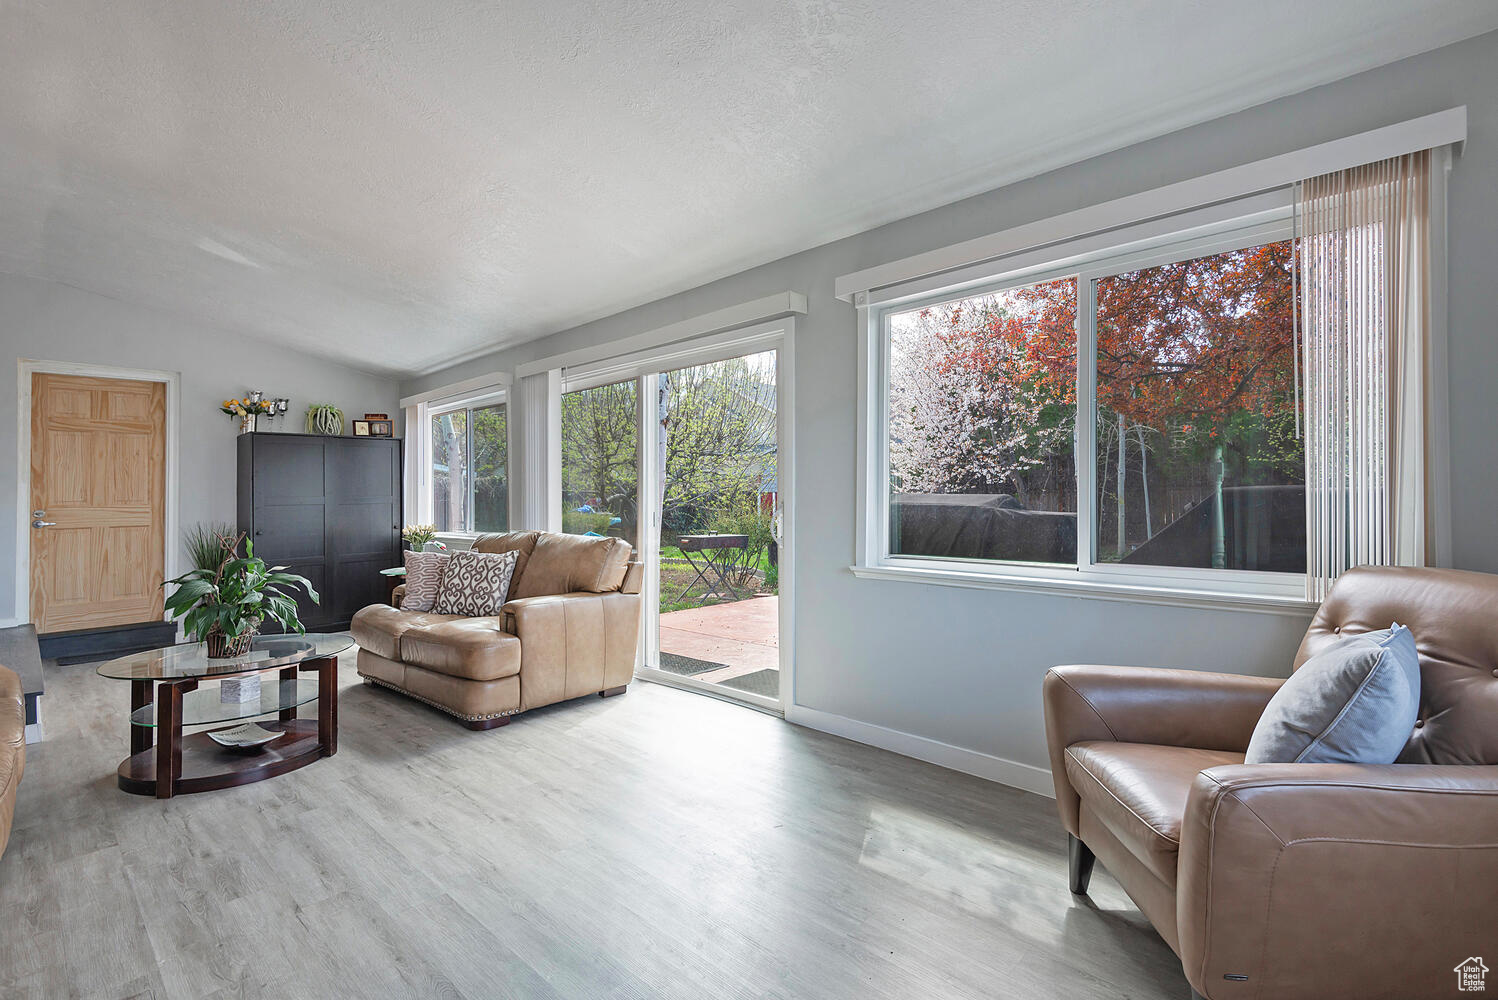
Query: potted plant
[(247, 409), (225, 607), (324, 418), (421, 536)]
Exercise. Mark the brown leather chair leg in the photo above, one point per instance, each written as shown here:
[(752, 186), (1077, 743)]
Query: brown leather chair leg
[(1079, 861)]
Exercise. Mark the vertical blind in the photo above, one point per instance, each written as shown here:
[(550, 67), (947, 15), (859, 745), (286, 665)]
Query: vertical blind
[(1365, 280)]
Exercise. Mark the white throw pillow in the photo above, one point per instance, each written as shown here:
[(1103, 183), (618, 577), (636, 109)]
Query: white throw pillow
[(423, 579), (476, 584)]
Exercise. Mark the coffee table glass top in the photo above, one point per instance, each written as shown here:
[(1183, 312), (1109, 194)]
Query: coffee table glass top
[(190, 659)]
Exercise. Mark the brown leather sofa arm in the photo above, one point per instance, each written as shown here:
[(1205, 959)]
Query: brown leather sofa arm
[(574, 644), (397, 594), (1393, 864), (1185, 708)]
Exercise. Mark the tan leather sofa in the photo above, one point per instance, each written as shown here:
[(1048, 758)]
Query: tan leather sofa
[(1290, 881), (570, 629), (12, 749)]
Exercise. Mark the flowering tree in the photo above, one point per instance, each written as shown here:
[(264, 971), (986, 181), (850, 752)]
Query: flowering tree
[(1196, 353), (981, 397)]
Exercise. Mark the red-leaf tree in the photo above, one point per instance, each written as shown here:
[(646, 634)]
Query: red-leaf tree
[(983, 391)]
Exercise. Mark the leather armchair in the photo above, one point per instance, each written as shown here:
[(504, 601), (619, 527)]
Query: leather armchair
[(1297, 880)]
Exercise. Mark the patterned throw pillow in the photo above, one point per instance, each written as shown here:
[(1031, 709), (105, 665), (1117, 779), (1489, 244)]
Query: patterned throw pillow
[(476, 583), (423, 579)]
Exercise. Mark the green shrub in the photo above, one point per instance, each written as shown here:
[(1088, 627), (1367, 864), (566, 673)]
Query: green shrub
[(579, 523)]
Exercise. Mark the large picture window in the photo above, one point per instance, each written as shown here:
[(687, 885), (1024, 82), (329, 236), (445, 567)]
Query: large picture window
[(982, 411), (1131, 417), (470, 469), (1199, 463)]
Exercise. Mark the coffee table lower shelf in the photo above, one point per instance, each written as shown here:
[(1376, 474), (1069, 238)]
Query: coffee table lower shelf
[(207, 766)]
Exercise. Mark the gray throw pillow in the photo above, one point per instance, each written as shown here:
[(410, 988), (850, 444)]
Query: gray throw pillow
[(423, 579), (1355, 703)]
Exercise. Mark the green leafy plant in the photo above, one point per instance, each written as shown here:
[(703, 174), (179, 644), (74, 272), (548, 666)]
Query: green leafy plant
[(226, 606), (207, 544), (324, 418), (581, 522)]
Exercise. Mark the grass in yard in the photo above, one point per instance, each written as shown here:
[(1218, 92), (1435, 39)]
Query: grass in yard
[(674, 577)]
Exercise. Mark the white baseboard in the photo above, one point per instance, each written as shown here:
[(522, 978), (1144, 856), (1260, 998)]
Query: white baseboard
[(1026, 777), (10, 622)]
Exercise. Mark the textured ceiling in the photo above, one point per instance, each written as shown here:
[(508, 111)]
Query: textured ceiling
[(400, 184)]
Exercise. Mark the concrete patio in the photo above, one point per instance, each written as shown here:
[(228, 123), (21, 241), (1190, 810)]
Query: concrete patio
[(741, 635)]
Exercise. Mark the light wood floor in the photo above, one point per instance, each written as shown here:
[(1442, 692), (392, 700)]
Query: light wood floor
[(661, 844)]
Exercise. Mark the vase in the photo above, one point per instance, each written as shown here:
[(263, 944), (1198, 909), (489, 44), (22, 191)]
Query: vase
[(247, 423), (222, 647)]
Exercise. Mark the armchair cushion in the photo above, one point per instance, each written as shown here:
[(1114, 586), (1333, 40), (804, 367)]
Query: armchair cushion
[(477, 649), (1138, 791), (1354, 703), (566, 564), (379, 627)]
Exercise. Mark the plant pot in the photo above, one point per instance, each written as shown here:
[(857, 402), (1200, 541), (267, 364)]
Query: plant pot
[(221, 646), (247, 423)]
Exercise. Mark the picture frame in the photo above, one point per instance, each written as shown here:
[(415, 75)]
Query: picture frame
[(361, 428), (382, 428)]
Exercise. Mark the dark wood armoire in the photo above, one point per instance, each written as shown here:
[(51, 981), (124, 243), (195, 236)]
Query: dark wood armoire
[(328, 508)]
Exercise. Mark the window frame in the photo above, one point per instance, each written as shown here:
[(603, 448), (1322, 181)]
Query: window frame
[(426, 412), (1087, 262)]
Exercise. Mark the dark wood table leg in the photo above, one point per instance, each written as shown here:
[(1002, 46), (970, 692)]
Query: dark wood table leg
[(140, 697), (288, 674), (169, 735), (327, 702)]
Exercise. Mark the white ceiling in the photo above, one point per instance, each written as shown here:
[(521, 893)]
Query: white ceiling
[(396, 184)]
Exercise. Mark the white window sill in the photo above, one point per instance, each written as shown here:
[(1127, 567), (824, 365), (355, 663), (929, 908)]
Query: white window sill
[(1094, 589), (457, 539)]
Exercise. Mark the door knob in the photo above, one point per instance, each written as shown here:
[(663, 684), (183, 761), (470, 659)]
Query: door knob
[(39, 523)]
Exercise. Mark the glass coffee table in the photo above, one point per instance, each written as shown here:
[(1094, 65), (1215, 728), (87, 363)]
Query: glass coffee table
[(165, 696)]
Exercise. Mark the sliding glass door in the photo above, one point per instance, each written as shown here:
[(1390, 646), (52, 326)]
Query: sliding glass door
[(715, 431), (681, 451)]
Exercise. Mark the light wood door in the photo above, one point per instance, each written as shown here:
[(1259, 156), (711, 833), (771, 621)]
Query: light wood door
[(98, 474)]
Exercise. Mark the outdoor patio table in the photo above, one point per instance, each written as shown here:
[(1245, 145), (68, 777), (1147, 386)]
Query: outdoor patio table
[(714, 551)]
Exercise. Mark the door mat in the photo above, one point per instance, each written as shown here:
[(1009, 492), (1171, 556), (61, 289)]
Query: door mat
[(686, 666), (761, 682)]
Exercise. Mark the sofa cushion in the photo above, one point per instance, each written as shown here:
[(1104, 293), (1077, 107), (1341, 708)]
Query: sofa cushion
[(510, 541), (477, 649), (379, 627), (567, 564), (476, 583), (1138, 791), (1353, 703), (423, 580)]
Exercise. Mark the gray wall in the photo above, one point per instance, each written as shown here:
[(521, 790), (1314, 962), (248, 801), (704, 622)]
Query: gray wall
[(964, 666), (45, 321)]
